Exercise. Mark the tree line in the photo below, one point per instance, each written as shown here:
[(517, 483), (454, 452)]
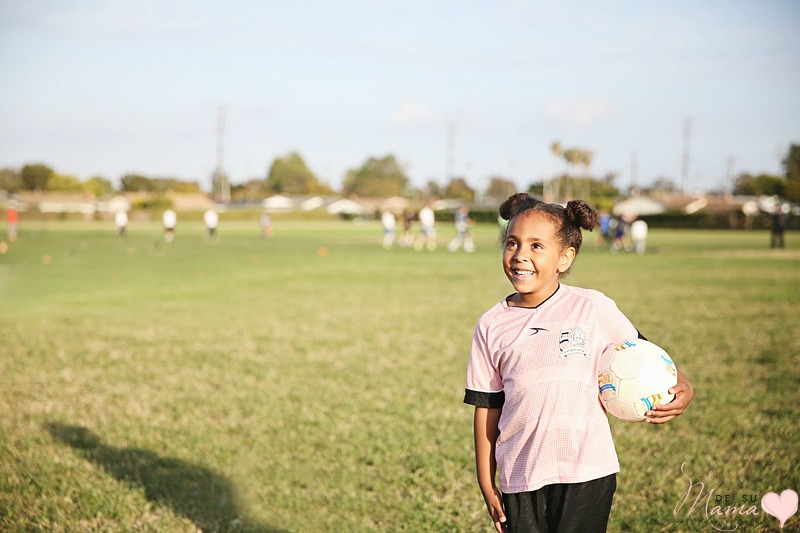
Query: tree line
[(384, 177), (786, 186)]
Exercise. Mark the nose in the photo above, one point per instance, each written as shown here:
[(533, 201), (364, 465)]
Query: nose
[(519, 255)]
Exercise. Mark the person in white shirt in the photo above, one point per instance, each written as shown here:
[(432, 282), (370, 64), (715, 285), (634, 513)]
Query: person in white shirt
[(211, 219), (639, 235), (463, 236), (121, 222), (427, 231), (170, 220), (388, 222)]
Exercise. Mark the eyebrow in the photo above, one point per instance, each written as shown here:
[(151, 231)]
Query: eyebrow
[(531, 239)]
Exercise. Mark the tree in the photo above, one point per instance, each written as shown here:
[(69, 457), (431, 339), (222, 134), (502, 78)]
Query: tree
[(763, 184), (603, 193), (537, 189), (792, 166), (609, 179), (605, 188), (500, 188), (458, 189), (251, 190), (564, 187), (65, 183), (176, 185), (98, 186), (136, 183), (290, 175), (664, 184), (572, 156), (585, 160), (36, 177), (433, 189), (557, 149), (10, 180), (377, 178), (599, 193), (548, 192)]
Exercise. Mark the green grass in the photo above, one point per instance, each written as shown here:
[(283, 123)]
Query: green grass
[(258, 385)]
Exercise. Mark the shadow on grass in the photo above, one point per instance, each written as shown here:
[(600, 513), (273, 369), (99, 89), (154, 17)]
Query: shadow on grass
[(207, 499)]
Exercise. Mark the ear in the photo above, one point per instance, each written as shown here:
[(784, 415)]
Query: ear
[(566, 259)]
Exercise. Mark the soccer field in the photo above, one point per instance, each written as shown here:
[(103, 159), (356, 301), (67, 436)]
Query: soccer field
[(314, 381)]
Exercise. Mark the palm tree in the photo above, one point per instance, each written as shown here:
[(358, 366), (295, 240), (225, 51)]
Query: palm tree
[(557, 149), (558, 152), (573, 157), (586, 162)]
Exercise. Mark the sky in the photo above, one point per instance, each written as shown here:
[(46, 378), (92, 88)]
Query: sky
[(696, 92)]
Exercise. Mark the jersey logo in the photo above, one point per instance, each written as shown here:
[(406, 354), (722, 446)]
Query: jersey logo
[(536, 330), (573, 342)]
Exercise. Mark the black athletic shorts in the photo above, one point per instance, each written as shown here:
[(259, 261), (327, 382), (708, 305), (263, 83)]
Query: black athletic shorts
[(562, 507)]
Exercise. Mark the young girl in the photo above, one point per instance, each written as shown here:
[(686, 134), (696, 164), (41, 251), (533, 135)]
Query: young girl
[(532, 377)]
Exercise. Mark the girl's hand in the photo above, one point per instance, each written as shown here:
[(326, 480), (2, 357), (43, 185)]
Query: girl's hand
[(486, 433), (683, 391), (494, 504)]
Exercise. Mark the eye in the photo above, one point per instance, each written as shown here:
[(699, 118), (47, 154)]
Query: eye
[(511, 244)]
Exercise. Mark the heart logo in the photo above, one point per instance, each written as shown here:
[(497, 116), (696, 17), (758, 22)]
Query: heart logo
[(781, 507)]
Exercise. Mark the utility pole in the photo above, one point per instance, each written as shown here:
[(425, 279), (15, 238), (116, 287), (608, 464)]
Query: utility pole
[(687, 134), (220, 184), (729, 177), (451, 141), (782, 168)]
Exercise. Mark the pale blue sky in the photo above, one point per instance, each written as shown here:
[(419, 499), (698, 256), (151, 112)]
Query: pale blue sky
[(111, 87)]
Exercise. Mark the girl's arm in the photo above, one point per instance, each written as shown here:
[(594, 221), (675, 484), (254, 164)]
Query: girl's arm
[(486, 433), (683, 391)]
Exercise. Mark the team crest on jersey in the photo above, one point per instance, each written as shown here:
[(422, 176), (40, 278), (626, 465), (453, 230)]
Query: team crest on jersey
[(573, 342)]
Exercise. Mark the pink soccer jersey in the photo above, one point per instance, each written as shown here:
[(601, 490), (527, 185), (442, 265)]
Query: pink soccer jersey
[(540, 364)]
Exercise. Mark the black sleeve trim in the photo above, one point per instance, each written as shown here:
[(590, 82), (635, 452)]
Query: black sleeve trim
[(640, 335), (491, 400)]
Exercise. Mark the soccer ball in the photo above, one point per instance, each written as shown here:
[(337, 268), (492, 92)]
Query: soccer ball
[(635, 375)]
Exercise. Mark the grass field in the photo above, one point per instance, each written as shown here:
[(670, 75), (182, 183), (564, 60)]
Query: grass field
[(314, 382)]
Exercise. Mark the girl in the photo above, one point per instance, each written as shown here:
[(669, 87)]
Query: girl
[(532, 377)]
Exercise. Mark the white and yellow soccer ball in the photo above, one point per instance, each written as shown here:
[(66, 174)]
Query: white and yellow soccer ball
[(633, 376)]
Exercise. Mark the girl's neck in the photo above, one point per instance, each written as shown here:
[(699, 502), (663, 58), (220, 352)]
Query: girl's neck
[(519, 300)]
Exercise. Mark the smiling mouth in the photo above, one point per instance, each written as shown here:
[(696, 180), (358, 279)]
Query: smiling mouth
[(522, 274)]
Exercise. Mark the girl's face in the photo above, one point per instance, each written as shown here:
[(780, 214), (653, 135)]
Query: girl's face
[(533, 258)]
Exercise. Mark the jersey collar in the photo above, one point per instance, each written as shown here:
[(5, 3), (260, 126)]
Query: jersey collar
[(546, 300)]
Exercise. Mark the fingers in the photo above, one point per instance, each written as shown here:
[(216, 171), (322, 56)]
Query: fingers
[(499, 519), (678, 389), (660, 414), (654, 417), (496, 511), (675, 405)]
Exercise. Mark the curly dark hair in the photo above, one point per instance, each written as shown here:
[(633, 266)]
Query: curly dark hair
[(569, 220)]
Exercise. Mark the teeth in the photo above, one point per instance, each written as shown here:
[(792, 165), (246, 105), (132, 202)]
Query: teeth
[(523, 272)]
